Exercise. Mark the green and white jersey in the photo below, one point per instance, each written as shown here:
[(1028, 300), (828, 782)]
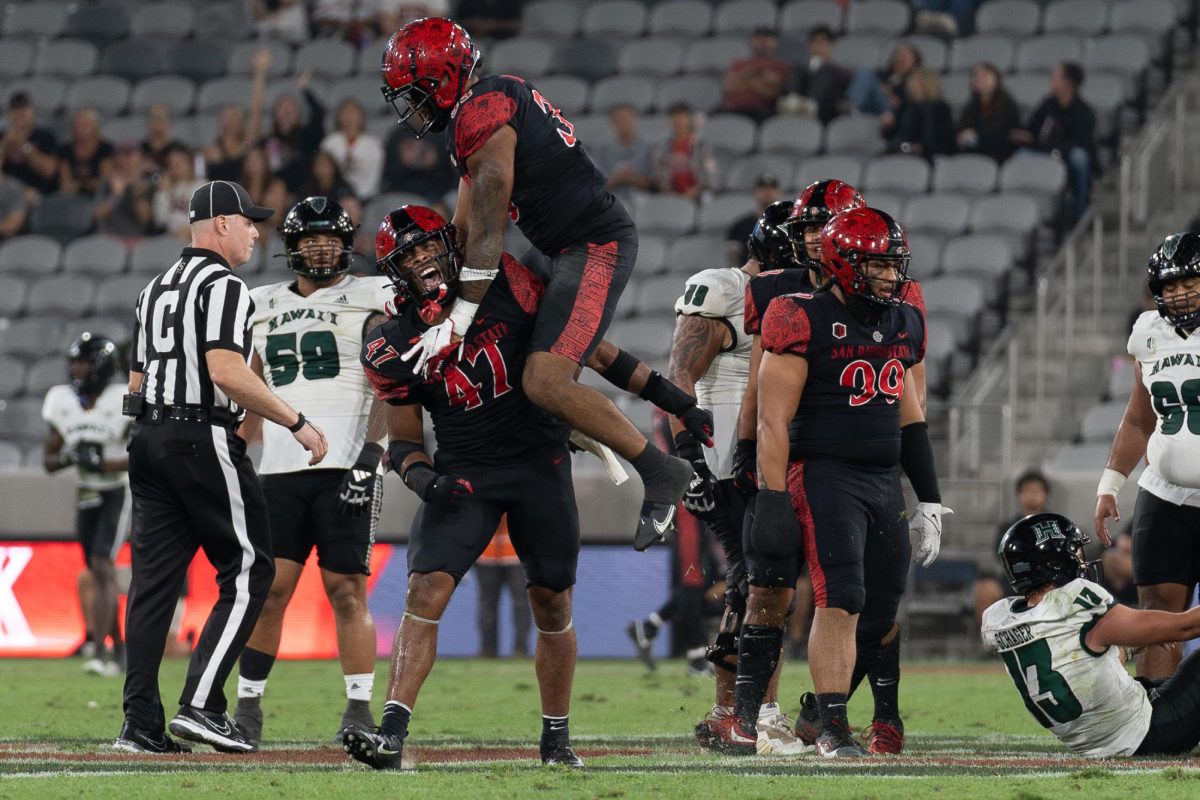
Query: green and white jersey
[(720, 294), (309, 348), (1085, 698)]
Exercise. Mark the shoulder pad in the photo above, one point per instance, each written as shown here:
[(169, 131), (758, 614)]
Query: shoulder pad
[(715, 293), (1140, 337)]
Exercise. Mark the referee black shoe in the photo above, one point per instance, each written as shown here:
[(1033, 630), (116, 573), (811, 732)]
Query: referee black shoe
[(656, 523), (205, 727), (132, 740), (373, 747)]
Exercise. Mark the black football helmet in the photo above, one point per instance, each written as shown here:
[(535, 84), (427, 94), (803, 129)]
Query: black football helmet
[(315, 216), (100, 354), (1045, 548), (1177, 257), (769, 242), (432, 282)]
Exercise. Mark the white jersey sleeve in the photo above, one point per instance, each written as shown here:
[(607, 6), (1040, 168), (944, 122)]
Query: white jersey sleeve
[(714, 293), (1085, 698)]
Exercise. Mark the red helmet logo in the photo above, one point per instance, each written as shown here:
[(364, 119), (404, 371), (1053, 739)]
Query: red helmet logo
[(427, 65), (854, 237)]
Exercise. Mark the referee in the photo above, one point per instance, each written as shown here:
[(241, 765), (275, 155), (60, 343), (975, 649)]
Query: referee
[(193, 486)]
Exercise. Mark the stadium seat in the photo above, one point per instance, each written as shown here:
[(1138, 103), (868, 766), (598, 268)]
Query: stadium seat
[(28, 253), (21, 420), (227, 20), (715, 54), (790, 134), (1101, 421), (732, 134), (743, 16), (934, 53), (1120, 378), (29, 337), (1127, 54), (969, 173), (95, 255), (1043, 52), (16, 58), (690, 254), (979, 253), (1028, 89), (800, 16), (198, 59), (12, 299), (220, 92), (861, 51), (854, 134), (66, 57), (197, 131), (42, 18), (167, 20), (891, 202), (522, 55), (956, 88), (634, 90), (13, 370), (657, 296), (557, 18), (897, 173), (665, 214), (62, 216), (939, 339), (1014, 212), (134, 59), (119, 329), (362, 88), (744, 172), (926, 249), (957, 300), (648, 337), (891, 17), (175, 92), (614, 18), (588, 59), (108, 95), (653, 56), (652, 255), (47, 92), (67, 295), (1073, 459), (567, 93), (328, 58), (1016, 17), (241, 58), (10, 457), (118, 295), (689, 18), (97, 22), (700, 92), (1082, 17), (843, 168), (1033, 172), (1155, 17), (946, 213), (42, 375), (996, 49)]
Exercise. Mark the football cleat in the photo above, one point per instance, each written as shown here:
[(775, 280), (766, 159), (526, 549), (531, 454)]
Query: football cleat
[(808, 721), (205, 727), (775, 737), (706, 731), (357, 714), (656, 523), (884, 738), (729, 736), (643, 641), (132, 740), (103, 667), (560, 755), (373, 747), (836, 741), (249, 716)]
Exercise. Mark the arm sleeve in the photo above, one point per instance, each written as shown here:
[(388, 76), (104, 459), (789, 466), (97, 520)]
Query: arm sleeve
[(786, 328), (478, 119), (226, 314)]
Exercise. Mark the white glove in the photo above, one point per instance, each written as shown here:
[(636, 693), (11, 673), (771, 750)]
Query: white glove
[(616, 472), (925, 532), (430, 344)]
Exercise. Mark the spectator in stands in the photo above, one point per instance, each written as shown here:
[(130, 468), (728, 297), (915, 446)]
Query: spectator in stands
[(325, 179), (352, 20), (15, 199), (174, 192), (766, 191), (124, 204), (989, 118), (684, 163), (1033, 492), (961, 11), (753, 85), (29, 152), (394, 14), (1117, 573), (158, 141), (626, 159), (223, 156), (266, 189), (420, 166), (281, 19), (924, 125), (495, 19), (819, 79), (882, 92), (292, 140), (1065, 126), (498, 567), (85, 158), (358, 154)]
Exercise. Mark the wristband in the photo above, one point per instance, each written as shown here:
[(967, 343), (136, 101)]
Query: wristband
[(1111, 482), (461, 314), (300, 423), (419, 478), (620, 371), (369, 456), (666, 395), (472, 274)]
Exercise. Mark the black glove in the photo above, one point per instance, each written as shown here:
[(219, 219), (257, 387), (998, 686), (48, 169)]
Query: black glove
[(443, 492), (775, 531), (737, 587), (700, 500), (699, 423), (357, 490), (745, 466), (89, 456)]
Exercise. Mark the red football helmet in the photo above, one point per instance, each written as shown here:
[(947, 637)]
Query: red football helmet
[(854, 237), (427, 64), (816, 205), (431, 280)]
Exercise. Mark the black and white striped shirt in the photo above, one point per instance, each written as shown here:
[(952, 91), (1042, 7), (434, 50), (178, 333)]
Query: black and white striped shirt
[(195, 306)]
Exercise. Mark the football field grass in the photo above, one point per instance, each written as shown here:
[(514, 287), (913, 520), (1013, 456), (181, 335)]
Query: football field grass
[(474, 735)]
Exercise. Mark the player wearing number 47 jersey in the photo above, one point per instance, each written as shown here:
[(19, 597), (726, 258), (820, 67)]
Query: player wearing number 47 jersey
[(307, 336), (1162, 422), (1061, 641)]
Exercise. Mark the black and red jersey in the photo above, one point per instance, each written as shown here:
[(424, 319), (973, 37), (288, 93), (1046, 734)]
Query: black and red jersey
[(766, 286), (472, 390), (557, 189), (850, 407)]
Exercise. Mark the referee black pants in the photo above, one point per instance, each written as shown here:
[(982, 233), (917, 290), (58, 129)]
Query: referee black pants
[(193, 487)]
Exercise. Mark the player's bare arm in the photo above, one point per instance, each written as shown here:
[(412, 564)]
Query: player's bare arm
[(1128, 448), (786, 374), (912, 406), (462, 210), (491, 170), (404, 426), (1135, 627), (52, 445), (748, 415), (251, 427), (696, 342)]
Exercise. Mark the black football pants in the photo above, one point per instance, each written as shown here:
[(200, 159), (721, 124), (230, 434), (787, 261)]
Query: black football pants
[(1175, 720), (193, 487)]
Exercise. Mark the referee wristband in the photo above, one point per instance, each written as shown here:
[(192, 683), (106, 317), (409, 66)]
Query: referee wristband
[(300, 423), (1111, 482)]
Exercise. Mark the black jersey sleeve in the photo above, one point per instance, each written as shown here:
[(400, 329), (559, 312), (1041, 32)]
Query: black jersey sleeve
[(391, 378), (787, 327), (480, 116)]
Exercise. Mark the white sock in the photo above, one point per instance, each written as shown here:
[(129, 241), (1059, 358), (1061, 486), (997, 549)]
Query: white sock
[(768, 710), (358, 687), (722, 711), (248, 688)]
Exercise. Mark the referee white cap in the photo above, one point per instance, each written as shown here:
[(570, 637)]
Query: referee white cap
[(225, 198)]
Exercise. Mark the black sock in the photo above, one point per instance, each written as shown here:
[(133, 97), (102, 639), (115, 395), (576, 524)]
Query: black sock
[(664, 478), (555, 731), (832, 708), (395, 719), (866, 653), (758, 655), (885, 681), (255, 665)]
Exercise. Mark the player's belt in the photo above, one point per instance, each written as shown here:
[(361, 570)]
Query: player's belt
[(157, 415)]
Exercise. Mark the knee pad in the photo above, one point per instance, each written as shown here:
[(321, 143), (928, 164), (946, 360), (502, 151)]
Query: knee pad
[(872, 630), (723, 652), (844, 588)]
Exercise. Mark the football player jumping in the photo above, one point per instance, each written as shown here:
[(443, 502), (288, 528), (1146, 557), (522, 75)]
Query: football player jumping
[(1061, 641), (519, 158), (497, 453), (1162, 422), (307, 335)]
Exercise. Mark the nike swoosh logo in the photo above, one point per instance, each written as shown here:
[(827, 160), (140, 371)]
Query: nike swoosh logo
[(903, 335), (664, 526), (383, 751)]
